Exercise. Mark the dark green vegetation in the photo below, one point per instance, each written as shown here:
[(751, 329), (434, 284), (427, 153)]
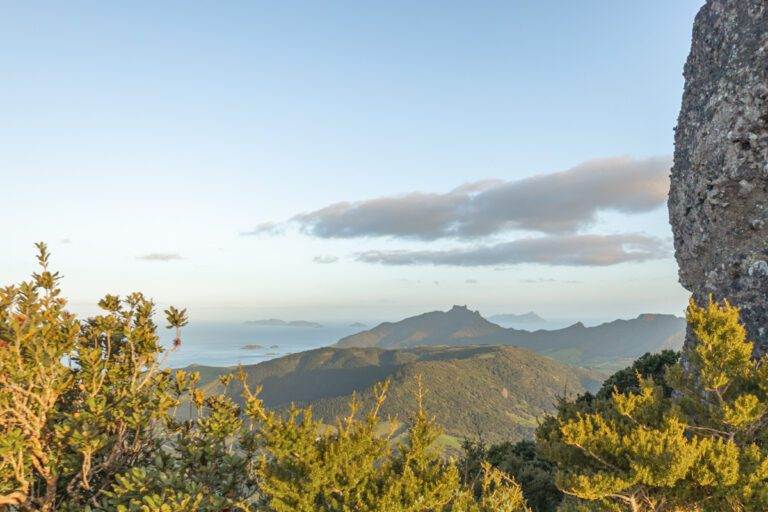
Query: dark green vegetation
[(523, 460), (648, 366), (497, 393), (607, 347)]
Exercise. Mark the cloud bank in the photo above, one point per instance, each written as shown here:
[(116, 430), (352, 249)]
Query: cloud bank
[(557, 203), (574, 250), (559, 207), (160, 256)]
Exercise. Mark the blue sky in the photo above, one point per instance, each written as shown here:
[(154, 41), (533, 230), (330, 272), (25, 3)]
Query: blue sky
[(132, 130)]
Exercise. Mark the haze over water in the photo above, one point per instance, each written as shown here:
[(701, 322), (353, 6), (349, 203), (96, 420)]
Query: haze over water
[(221, 344)]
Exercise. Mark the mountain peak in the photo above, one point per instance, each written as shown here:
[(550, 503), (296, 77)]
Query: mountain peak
[(523, 318), (458, 325), (655, 316), (462, 310)]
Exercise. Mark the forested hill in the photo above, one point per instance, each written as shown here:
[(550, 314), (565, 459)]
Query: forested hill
[(608, 346), (459, 326), (494, 392)]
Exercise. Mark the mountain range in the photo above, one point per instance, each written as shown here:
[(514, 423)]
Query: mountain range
[(608, 346), (481, 380), (494, 392)]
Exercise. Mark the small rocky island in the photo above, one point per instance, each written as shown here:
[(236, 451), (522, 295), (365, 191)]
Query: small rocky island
[(276, 322), (254, 346)]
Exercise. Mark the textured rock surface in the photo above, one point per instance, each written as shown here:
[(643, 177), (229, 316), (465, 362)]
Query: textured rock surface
[(718, 203)]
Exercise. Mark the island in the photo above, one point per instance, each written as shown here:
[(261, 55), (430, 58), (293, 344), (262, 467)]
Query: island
[(276, 322)]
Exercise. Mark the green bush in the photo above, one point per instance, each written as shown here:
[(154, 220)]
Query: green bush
[(522, 462), (87, 423), (80, 402), (700, 445)]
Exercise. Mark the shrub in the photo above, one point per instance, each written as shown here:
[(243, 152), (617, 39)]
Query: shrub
[(702, 447), (522, 462), (80, 402), (88, 423)]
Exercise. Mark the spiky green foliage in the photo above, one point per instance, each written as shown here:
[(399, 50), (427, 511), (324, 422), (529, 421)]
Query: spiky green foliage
[(702, 448), (352, 468)]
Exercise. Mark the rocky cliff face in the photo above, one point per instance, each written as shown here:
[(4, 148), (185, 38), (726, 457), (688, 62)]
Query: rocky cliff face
[(718, 203)]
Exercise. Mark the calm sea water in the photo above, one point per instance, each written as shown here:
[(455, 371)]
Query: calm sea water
[(221, 344)]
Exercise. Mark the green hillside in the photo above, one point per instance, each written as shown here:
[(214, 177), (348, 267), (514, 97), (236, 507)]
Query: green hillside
[(609, 346), (459, 326), (494, 392)]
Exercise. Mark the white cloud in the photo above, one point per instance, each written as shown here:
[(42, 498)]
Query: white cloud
[(160, 256), (265, 229), (325, 259)]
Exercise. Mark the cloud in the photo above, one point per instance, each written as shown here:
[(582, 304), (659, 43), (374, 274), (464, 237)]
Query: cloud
[(557, 203), (574, 250), (160, 256), (265, 229), (549, 280), (325, 259), (65, 241), (471, 281)]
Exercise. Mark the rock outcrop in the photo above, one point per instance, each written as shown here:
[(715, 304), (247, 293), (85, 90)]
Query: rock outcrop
[(718, 202)]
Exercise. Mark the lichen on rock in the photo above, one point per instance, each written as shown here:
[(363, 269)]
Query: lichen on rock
[(718, 202)]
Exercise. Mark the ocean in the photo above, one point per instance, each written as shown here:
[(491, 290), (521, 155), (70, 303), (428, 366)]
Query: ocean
[(221, 344)]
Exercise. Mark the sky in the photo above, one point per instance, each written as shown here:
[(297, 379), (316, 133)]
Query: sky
[(345, 160)]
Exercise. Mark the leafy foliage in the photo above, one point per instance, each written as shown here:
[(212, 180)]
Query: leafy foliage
[(648, 366), (703, 447), (87, 424), (79, 401), (522, 462)]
